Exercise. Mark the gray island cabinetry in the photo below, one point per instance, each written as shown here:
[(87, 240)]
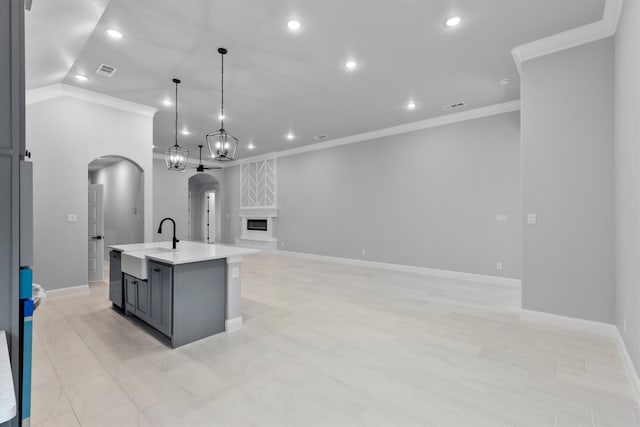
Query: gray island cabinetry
[(186, 294)]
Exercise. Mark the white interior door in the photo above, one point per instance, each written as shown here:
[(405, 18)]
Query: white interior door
[(96, 232)]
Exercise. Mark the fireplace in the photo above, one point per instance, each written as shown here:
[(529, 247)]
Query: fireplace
[(259, 228), (256, 224)]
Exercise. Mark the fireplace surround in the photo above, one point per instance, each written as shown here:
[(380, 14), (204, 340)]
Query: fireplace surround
[(259, 228)]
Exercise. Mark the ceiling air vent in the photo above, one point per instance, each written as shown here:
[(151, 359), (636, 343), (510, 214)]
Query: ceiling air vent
[(453, 106), (106, 70), (320, 137)]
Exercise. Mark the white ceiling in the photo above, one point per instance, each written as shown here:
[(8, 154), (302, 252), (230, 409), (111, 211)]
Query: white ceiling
[(277, 81)]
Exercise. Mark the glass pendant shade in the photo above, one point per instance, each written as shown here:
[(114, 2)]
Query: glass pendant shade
[(222, 145), (176, 157)]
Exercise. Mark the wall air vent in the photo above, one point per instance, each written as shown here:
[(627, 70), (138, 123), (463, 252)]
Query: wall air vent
[(453, 106), (106, 70)]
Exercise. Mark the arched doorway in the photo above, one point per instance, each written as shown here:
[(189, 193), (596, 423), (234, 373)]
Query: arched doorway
[(204, 208), (116, 198)]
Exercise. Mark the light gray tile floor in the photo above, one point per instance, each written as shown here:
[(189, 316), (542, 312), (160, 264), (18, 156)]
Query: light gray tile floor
[(328, 344)]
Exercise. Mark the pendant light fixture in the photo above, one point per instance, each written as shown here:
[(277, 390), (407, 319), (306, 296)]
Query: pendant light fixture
[(222, 145), (176, 157)]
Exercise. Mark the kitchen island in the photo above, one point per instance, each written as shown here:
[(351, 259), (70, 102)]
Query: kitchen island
[(187, 293)]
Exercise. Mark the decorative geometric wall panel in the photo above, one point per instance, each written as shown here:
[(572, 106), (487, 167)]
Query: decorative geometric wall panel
[(258, 184)]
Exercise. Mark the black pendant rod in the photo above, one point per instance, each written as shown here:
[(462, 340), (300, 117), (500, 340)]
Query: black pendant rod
[(222, 51), (177, 82)]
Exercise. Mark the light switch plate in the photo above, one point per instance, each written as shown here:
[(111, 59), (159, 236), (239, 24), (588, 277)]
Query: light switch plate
[(72, 218), (532, 218), (235, 272), (502, 218)]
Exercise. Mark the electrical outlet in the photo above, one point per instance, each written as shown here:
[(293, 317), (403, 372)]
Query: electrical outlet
[(364, 252), (498, 266), (532, 218), (72, 218), (502, 218)]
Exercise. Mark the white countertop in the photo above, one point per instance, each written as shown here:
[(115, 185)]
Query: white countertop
[(7, 393), (186, 252)]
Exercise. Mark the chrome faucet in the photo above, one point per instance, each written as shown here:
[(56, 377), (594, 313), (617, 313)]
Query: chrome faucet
[(174, 230)]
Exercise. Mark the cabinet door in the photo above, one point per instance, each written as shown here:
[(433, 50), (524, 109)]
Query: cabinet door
[(161, 297), (142, 299), (129, 293)]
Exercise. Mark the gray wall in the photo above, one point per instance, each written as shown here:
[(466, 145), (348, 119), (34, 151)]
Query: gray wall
[(627, 179), (231, 217), (171, 199), (65, 134), (428, 198), (123, 203), (11, 145), (567, 180)]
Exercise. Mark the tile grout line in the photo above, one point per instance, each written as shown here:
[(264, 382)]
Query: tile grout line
[(454, 392), (633, 412)]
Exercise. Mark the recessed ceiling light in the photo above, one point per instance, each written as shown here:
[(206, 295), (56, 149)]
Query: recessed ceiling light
[(294, 25), (351, 65), (81, 77), (411, 105), (153, 146), (290, 136), (251, 146), (114, 34), (221, 117), (453, 21), (185, 131), (167, 102)]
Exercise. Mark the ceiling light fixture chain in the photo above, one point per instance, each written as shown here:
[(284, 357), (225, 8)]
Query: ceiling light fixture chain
[(176, 157), (222, 145), (222, 52), (177, 82)]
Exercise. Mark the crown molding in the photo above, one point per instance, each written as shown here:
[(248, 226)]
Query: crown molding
[(45, 93), (193, 163), (604, 28), (477, 113)]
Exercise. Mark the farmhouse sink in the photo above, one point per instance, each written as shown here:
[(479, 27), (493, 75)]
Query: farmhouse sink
[(134, 263)]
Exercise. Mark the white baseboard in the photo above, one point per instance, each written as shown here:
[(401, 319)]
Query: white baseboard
[(573, 323), (628, 363), (456, 275), (233, 325), (589, 326), (65, 292)]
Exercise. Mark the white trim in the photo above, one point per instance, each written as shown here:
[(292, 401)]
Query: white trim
[(504, 281), (463, 116), (233, 325), (447, 119), (58, 90), (195, 162), (573, 323), (601, 29), (628, 363), (234, 260), (590, 327), (70, 291)]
